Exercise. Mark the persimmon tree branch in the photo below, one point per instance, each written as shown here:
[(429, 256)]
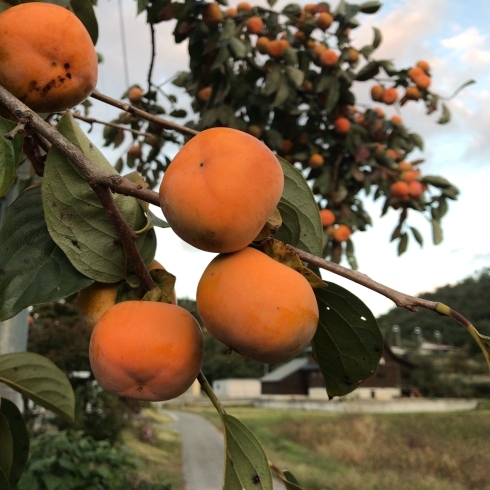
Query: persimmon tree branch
[(144, 115)]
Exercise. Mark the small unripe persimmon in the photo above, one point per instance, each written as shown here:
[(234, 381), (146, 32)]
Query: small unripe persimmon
[(353, 55), (377, 92), (389, 96), (324, 21), (146, 350), (255, 130), (379, 112), (257, 306), (341, 125), (316, 160), (327, 217), (342, 233), (329, 58), (255, 25), (212, 15), (135, 95), (399, 189)]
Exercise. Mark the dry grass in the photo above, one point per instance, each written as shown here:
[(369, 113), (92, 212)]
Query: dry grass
[(443, 451)]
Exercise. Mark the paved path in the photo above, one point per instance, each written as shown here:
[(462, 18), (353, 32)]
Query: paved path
[(202, 447)]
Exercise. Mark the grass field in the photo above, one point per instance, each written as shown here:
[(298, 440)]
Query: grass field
[(159, 454), (439, 451)]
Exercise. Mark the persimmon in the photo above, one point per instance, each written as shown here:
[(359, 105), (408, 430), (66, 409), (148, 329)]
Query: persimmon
[(316, 160), (135, 151), (404, 166), (212, 15), (275, 49), (47, 58), (409, 175), (255, 25), (353, 55), (204, 94), (94, 300), (377, 93), (244, 7), (416, 188), (257, 306), (341, 125), (423, 81), (329, 58), (396, 120), (255, 130), (391, 153), (342, 233), (379, 112), (217, 198), (324, 20), (327, 217), (310, 8), (262, 43), (412, 93), (423, 65), (231, 12), (415, 72), (146, 350), (135, 95), (389, 96), (399, 189)]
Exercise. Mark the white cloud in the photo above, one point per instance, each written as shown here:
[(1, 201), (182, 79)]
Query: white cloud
[(470, 38)]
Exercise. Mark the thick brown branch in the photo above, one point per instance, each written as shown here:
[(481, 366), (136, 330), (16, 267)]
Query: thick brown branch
[(144, 115)]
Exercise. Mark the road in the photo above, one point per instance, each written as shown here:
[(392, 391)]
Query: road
[(203, 448)]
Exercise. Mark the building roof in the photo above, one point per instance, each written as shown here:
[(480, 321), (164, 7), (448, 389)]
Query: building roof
[(285, 370)]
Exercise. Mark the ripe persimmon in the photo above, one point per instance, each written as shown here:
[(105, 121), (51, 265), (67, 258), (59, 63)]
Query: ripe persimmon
[(389, 96), (423, 81), (324, 20), (341, 125), (275, 49), (204, 94), (47, 58), (257, 306), (135, 151), (412, 93), (377, 92), (327, 217), (416, 188), (135, 95), (329, 58), (399, 189), (342, 233), (255, 25), (397, 120), (415, 72), (316, 160), (146, 350), (217, 198), (262, 43), (231, 12), (212, 15), (404, 166), (423, 65), (244, 7)]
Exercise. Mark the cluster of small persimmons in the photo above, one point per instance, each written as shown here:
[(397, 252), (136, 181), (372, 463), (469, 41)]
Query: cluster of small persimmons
[(150, 348)]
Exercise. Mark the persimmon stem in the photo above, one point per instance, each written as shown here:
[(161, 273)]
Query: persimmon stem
[(211, 394)]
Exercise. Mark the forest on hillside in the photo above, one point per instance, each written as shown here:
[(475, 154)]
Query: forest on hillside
[(470, 297)]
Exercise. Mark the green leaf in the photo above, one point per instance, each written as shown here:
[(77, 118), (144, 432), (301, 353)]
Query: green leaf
[(272, 80), (246, 465), (33, 269), (181, 79), (20, 438), (348, 343), (6, 444), (417, 235), (368, 71), (297, 195), (377, 38), (288, 479), (370, 7), (238, 48), (417, 140), (437, 235), (75, 217), (295, 75), (156, 221), (282, 94), (333, 97), (291, 226), (40, 380), (4, 483), (446, 115), (142, 5), (271, 2), (10, 152), (292, 9), (229, 27), (178, 113), (436, 181), (402, 243), (84, 10)]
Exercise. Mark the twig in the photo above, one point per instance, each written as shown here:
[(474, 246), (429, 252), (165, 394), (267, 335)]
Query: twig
[(211, 394), (144, 115), (92, 120), (153, 53)]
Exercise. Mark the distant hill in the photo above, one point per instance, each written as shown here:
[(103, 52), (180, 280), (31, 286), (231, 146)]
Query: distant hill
[(470, 297)]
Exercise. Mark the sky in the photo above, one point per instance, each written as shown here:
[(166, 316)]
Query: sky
[(450, 35)]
